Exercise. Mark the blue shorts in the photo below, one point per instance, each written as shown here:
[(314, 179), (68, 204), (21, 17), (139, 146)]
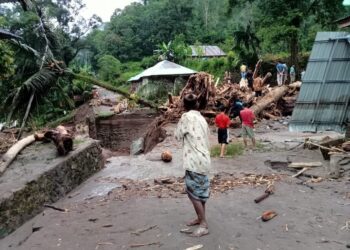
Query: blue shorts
[(197, 185)]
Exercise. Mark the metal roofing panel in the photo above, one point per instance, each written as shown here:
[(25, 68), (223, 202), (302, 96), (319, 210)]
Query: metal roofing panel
[(163, 68), (325, 36), (206, 51), (323, 101)]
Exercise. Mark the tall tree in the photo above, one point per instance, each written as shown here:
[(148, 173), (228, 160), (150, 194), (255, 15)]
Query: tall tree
[(281, 20)]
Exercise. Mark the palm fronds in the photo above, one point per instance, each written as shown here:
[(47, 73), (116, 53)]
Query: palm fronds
[(40, 83), (25, 47)]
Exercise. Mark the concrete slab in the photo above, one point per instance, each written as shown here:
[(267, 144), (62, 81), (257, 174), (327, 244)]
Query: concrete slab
[(39, 176)]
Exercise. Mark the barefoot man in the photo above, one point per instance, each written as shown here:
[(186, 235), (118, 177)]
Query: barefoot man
[(193, 131)]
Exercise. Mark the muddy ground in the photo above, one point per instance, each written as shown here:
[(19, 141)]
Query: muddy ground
[(111, 208)]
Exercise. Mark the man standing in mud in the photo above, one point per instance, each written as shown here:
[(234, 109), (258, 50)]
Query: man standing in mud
[(193, 131)]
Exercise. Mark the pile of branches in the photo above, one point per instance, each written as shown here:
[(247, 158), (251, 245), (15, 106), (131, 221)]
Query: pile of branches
[(201, 85), (175, 187), (274, 103)]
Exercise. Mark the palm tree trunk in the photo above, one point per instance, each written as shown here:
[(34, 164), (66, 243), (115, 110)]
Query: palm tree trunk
[(294, 50), (26, 114), (112, 88)]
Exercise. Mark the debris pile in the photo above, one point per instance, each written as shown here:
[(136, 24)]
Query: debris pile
[(174, 187), (275, 103)]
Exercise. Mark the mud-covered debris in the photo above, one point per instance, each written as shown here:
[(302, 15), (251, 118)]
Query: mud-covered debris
[(175, 187), (268, 215)]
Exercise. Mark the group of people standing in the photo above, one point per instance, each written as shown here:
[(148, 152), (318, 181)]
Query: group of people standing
[(247, 77), (223, 121), (282, 73)]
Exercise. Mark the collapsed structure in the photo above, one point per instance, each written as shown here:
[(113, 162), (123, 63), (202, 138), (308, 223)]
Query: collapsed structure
[(323, 103)]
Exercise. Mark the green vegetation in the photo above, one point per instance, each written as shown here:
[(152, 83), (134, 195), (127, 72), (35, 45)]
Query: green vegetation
[(61, 54), (235, 148), (232, 149)]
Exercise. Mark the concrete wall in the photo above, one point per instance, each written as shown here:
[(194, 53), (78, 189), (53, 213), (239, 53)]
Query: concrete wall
[(39, 176), (118, 131)]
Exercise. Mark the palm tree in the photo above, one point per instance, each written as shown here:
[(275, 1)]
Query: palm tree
[(49, 69), (247, 37)]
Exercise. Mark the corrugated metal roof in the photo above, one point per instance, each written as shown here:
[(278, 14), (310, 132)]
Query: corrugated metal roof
[(323, 101), (206, 51), (163, 68)]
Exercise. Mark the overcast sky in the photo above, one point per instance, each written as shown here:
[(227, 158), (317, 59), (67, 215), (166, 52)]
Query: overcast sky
[(103, 8)]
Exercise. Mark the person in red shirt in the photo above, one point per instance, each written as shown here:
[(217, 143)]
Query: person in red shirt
[(248, 117), (222, 121)]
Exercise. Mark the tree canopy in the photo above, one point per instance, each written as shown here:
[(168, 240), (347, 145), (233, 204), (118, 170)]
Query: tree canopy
[(37, 33)]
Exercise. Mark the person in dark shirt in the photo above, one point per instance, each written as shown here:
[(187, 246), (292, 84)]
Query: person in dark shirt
[(236, 107), (250, 79)]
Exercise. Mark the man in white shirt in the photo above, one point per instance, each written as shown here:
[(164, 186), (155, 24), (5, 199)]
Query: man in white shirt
[(193, 131)]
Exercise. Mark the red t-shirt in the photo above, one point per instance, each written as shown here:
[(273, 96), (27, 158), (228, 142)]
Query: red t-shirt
[(222, 120), (247, 116)]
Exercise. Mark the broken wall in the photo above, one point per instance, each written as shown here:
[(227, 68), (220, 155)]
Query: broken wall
[(118, 131)]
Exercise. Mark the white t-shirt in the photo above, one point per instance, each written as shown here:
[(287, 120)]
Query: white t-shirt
[(193, 131)]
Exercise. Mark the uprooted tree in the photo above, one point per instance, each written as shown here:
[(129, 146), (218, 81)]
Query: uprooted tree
[(50, 67)]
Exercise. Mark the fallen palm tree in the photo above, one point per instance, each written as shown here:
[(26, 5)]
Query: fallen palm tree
[(60, 136), (11, 154)]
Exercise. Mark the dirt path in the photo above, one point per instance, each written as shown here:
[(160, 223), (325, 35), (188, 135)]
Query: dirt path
[(307, 219), (311, 216)]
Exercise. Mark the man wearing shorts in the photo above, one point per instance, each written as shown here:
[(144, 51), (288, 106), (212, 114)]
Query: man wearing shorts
[(248, 117), (222, 121), (193, 131)]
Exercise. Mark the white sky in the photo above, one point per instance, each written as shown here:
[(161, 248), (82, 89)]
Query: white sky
[(103, 8)]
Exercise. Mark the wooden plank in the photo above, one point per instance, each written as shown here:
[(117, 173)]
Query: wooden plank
[(305, 164)]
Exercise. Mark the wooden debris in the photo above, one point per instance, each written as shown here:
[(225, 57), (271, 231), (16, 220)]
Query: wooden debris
[(346, 146), (157, 243), (269, 190), (268, 215), (103, 244), (210, 97), (61, 138), (305, 164), (196, 247), (56, 208), (11, 154), (325, 147), (164, 181), (140, 231), (300, 172), (219, 184)]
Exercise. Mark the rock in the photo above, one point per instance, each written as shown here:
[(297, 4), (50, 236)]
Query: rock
[(137, 147), (166, 156)]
